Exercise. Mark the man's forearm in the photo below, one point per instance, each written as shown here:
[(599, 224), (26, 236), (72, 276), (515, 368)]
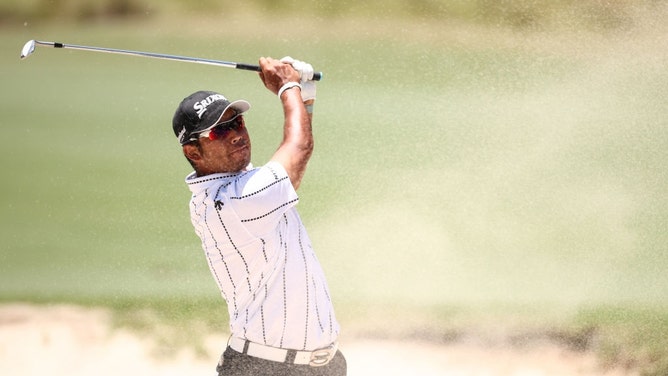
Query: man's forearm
[(309, 109), (297, 145)]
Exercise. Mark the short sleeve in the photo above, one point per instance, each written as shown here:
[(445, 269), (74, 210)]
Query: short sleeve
[(261, 196)]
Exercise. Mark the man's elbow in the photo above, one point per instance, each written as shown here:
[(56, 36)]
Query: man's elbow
[(307, 147)]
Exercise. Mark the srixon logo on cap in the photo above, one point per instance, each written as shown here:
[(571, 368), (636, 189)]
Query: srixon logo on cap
[(201, 106)]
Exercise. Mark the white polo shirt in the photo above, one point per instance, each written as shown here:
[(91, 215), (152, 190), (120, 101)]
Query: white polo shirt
[(262, 259)]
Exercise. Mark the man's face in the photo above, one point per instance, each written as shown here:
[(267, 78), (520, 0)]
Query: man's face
[(228, 151)]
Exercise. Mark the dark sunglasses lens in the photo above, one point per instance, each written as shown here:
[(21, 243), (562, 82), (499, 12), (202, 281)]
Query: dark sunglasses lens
[(218, 132), (221, 130)]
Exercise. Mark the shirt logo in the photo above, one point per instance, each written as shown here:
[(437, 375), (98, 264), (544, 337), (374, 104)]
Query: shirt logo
[(201, 106)]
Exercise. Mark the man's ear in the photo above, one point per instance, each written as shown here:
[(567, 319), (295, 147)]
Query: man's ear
[(192, 152)]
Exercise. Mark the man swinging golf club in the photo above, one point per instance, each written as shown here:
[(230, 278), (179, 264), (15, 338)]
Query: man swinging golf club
[(280, 310)]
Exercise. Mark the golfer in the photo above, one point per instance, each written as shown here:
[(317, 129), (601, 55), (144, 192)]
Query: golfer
[(280, 310)]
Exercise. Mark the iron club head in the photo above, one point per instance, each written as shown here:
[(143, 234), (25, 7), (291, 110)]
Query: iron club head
[(28, 49)]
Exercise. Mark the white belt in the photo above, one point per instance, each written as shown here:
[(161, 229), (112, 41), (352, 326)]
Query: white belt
[(314, 358)]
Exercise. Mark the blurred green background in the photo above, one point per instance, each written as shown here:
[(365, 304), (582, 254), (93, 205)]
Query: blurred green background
[(489, 159)]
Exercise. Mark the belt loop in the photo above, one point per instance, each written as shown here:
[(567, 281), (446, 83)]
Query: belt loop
[(246, 344), (291, 356)]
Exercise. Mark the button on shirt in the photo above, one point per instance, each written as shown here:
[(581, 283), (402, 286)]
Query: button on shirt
[(261, 258)]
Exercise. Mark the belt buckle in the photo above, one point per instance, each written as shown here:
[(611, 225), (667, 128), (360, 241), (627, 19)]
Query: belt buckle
[(322, 356)]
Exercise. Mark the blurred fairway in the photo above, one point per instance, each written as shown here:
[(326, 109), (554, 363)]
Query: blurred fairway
[(455, 166)]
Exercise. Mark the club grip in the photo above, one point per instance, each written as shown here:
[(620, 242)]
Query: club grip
[(317, 76)]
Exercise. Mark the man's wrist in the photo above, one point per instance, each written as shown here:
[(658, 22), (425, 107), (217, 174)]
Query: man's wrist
[(309, 105), (288, 86)]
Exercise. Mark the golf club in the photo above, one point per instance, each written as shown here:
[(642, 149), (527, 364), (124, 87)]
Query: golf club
[(29, 48)]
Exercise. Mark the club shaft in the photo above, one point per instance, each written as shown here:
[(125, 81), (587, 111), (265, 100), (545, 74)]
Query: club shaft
[(228, 64)]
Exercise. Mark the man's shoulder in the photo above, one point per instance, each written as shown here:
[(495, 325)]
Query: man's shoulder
[(262, 176)]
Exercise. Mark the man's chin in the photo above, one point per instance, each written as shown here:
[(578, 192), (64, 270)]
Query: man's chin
[(244, 165)]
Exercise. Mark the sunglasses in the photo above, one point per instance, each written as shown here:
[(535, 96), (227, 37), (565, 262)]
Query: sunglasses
[(221, 130)]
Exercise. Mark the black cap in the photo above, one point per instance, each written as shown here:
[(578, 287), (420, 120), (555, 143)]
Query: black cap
[(201, 111)]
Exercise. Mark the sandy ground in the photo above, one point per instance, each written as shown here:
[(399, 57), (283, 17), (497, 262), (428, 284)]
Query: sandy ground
[(72, 341)]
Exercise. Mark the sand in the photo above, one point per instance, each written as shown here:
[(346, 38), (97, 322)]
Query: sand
[(71, 341)]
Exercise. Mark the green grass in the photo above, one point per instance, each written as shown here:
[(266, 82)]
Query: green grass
[(631, 337), (520, 14), (462, 175)]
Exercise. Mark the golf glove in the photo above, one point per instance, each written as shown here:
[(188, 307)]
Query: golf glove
[(305, 71)]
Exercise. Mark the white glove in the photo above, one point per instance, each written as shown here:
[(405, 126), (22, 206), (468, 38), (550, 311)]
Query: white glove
[(305, 71)]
